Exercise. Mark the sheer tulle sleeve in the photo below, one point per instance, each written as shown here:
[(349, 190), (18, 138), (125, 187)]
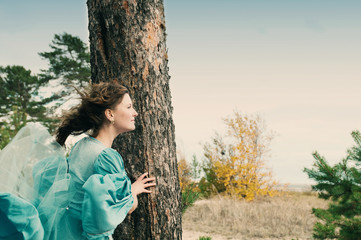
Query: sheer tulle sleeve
[(31, 152), (33, 167), (107, 198)]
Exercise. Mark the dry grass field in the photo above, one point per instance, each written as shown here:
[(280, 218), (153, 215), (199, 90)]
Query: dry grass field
[(284, 217)]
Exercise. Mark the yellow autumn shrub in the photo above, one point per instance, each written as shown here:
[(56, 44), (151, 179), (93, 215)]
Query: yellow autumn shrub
[(238, 158), (184, 173)]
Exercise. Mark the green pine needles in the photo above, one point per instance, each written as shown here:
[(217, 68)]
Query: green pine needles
[(341, 184), (25, 97)]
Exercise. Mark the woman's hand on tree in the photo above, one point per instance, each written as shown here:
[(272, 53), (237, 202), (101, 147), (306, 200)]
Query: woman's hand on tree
[(140, 186), (142, 183)]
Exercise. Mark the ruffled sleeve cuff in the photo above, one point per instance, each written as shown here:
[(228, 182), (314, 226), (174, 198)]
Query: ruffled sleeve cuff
[(107, 201)]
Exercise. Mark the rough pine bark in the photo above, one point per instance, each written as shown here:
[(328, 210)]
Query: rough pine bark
[(128, 44)]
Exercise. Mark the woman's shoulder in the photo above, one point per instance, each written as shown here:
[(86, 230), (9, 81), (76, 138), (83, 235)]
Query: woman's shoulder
[(110, 152), (87, 147), (109, 161), (110, 155)]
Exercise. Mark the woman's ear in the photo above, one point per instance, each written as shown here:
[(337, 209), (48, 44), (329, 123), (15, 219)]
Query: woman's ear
[(109, 114)]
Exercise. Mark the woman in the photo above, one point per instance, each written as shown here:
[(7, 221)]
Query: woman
[(89, 194)]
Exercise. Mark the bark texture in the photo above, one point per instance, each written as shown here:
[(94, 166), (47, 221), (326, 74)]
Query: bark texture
[(127, 44)]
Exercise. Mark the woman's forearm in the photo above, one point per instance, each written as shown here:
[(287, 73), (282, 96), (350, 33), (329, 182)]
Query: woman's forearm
[(135, 203)]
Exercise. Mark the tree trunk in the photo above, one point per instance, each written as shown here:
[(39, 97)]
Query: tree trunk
[(127, 44)]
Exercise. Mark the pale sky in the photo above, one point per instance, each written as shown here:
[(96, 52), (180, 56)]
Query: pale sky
[(296, 63)]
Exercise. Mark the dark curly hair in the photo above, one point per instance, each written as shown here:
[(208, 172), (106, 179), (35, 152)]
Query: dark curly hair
[(89, 114)]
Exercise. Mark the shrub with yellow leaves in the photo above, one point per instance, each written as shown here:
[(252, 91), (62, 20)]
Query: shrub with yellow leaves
[(235, 162), (184, 173)]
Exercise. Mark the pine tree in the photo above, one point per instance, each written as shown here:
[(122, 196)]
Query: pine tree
[(341, 184), (26, 97), (69, 66), (69, 61), (20, 101), (128, 44)]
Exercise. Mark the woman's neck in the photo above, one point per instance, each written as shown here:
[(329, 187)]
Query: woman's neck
[(106, 136)]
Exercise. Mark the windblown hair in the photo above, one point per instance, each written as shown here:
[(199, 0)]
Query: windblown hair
[(89, 114)]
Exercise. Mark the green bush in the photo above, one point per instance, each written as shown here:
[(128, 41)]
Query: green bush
[(204, 238), (189, 196), (341, 184)]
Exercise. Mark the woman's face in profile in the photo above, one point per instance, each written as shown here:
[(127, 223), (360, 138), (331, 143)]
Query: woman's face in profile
[(124, 115)]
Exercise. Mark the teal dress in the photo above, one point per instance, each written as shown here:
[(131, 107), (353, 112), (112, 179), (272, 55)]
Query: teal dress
[(84, 196)]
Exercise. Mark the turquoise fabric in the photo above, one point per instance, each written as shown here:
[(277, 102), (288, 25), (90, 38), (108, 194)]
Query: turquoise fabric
[(19, 219), (84, 196), (102, 191), (103, 211), (113, 199)]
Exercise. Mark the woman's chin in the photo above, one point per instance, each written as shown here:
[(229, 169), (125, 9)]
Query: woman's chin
[(130, 129)]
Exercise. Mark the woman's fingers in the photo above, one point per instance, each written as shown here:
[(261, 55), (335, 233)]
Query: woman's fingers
[(148, 179), (143, 176), (149, 185), (146, 182)]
